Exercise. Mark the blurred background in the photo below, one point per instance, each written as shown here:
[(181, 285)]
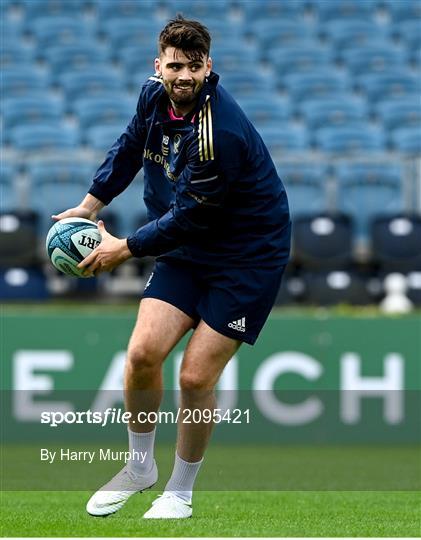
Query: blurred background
[(333, 86)]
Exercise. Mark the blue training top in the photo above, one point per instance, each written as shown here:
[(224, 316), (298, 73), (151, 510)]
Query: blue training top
[(210, 186)]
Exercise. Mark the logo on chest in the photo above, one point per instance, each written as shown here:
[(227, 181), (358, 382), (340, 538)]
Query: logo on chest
[(176, 143), (165, 145)]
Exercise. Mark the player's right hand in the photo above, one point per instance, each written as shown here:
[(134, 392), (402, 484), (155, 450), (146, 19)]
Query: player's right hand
[(77, 211)]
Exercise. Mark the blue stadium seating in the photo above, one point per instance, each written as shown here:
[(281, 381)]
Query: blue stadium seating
[(108, 9), (32, 109), (366, 190), (104, 110), (92, 82), (61, 31), (302, 58), (101, 137), (407, 140), (404, 9), (400, 112), (82, 55), (136, 58), (350, 139), (306, 187), (272, 33), (330, 111), (41, 8), (266, 112), (342, 33), (393, 83), (9, 199), (229, 57), (284, 139), (123, 32), (16, 82), (241, 84), (344, 9), (222, 31), (272, 9), (129, 207), (408, 32), (321, 83), (44, 137), (374, 57), (56, 186), (14, 55), (200, 9)]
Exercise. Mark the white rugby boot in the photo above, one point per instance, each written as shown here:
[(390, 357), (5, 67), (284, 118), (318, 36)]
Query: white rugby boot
[(169, 506), (113, 495)]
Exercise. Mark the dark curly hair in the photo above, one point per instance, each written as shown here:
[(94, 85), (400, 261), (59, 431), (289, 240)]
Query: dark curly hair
[(189, 36)]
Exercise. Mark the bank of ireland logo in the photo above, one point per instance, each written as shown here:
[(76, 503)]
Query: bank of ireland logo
[(164, 148), (177, 141)]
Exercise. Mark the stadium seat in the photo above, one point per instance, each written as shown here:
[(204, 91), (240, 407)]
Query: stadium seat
[(283, 139), (404, 10), (104, 110), (374, 58), (129, 207), (9, 200), (229, 57), (266, 112), (16, 82), (35, 137), (273, 33), (350, 139), (23, 284), (223, 31), (61, 31), (344, 9), (306, 186), (331, 111), (408, 32), (31, 109), (56, 186), (302, 58), (366, 190), (82, 55), (41, 8), (14, 55), (343, 33), (390, 84), (18, 238), (123, 32), (407, 140), (323, 241), (240, 84), (198, 9), (400, 112), (396, 242), (137, 58), (92, 82), (108, 9), (272, 9), (102, 137), (316, 84), (336, 287)]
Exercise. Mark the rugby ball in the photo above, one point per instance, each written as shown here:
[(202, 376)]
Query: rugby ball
[(69, 241)]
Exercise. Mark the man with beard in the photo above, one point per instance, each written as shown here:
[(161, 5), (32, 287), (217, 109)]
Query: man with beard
[(220, 228)]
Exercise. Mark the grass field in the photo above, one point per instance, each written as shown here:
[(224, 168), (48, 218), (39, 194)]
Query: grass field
[(220, 514)]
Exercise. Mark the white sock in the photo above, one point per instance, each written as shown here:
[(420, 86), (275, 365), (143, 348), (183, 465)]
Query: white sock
[(183, 478), (142, 443)]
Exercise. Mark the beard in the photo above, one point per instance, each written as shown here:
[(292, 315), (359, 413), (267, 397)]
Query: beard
[(183, 94)]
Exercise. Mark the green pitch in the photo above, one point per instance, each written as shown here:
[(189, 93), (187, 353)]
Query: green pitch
[(220, 514)]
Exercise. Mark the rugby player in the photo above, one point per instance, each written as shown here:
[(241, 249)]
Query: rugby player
[(219, 226)]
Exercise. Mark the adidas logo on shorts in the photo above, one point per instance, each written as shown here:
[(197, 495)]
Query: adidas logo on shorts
[(239, 325)]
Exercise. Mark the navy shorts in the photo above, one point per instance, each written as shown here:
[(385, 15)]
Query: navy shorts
[(233, 301)]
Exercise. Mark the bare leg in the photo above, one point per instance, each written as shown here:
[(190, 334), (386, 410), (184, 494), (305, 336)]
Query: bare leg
[(159, 327), (204, 360)]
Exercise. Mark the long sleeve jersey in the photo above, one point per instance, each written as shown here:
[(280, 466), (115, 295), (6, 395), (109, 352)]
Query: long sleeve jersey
[(211, 189)]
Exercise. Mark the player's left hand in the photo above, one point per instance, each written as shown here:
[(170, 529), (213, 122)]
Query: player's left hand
[(108, 255)]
